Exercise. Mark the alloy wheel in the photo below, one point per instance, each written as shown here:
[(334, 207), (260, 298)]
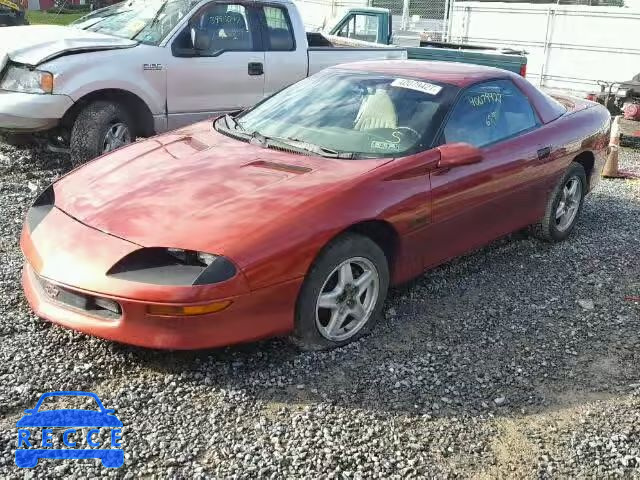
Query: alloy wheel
[(569, 203), (347, 299), (117, 136)]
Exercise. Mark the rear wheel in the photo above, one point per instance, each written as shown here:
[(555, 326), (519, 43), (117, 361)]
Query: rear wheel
[(101, 127), (343, 294), (564, 206)]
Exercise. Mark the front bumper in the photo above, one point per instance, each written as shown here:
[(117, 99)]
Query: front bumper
[(264, 313), (29, 112), (65, 273)]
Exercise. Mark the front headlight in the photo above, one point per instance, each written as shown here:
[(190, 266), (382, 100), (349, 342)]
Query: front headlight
[(173, 266), (621, 93), (19, 79)]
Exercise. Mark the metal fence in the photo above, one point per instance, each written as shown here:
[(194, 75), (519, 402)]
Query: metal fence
[(426, 18)]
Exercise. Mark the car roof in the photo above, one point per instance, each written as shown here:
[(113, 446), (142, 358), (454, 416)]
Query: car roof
[(453, 73), (461, 75)]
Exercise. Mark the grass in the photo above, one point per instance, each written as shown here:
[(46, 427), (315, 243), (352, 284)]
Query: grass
[(51, 18)]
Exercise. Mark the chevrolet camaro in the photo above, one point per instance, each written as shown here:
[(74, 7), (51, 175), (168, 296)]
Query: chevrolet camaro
[(295, 216)]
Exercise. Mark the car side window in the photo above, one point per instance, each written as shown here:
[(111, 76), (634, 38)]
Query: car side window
[(217, 28), (361, 27), (279, 31), (489, 112)]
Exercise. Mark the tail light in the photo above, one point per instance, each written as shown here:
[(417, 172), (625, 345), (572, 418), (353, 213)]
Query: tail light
[(592, 96), (523, 70)]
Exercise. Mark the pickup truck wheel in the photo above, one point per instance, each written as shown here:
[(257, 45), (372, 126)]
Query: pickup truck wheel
[(342, 295), (101, 127), (564, 206)]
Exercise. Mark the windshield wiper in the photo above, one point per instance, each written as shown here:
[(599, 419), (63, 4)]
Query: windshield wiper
[(290, 143), (311, 148), (232, 123)]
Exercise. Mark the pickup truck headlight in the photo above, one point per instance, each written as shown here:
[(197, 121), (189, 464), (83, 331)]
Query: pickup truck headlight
[(19, 79), (173, 266)]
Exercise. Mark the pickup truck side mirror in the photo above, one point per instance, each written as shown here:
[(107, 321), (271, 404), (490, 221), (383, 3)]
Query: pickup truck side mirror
[(200, 39), (458, 154)]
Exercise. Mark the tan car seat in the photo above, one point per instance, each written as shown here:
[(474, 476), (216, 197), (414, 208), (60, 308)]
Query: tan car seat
[(377, 111)]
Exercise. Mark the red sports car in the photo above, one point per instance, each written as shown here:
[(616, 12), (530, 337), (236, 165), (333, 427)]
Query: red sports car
[(295, 216)]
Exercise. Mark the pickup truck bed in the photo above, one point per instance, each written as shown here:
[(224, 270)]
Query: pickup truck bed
[(323, 48)]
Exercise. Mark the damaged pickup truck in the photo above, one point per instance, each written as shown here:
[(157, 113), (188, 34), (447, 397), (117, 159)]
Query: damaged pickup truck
[(140, 68)]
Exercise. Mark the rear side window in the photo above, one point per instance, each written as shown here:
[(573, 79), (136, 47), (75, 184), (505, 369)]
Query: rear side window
[(489, 112), (280, 36), (361, 27)]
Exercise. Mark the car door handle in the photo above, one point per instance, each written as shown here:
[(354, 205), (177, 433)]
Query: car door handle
[(255, 68), (544, 153)]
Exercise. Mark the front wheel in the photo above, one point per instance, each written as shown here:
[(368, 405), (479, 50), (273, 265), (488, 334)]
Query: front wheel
[(101, 127), (564, 206), (342, 295)]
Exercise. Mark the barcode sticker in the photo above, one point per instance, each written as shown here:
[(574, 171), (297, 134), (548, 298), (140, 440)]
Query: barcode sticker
[(425, 87)]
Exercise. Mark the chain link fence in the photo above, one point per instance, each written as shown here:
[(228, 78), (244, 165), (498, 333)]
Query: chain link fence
[(426, 19)]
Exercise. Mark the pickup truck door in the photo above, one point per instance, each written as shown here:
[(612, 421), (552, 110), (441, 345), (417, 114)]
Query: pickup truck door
[(474, 204), (225, 73), (286, 61)]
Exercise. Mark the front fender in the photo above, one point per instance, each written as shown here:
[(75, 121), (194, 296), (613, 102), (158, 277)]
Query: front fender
[(80, 74)]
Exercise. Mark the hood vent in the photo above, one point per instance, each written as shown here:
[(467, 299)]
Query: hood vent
[(280, 167)]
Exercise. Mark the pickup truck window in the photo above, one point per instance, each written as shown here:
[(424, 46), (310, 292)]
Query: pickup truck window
[(148, 22), (280, 33), (489, 112), (369, 115), (218, 28), (361, 27)]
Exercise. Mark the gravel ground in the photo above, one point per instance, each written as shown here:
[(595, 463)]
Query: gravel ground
[(520, 360)]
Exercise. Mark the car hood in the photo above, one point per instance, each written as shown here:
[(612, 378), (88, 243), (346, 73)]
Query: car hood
[(35, 44), (198, 189), (69, 418)]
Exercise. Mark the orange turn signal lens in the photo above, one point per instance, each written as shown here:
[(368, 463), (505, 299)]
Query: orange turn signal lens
[(170, 310), (46, 82)]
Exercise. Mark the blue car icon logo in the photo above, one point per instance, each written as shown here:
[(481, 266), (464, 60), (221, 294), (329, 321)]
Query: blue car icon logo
[(74, 422)]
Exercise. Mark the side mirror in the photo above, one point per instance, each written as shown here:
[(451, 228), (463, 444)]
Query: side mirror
[(458, 154), (200, 39)]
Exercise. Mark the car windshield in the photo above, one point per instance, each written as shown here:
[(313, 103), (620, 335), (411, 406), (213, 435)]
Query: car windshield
[(368, 115), (80, 402), (147, 21)]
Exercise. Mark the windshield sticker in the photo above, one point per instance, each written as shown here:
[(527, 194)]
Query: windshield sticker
[(385, 146), (485, 98), (424, 87)]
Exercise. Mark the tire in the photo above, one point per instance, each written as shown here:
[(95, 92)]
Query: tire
[(90, 129), (312, 329), (552, 229)]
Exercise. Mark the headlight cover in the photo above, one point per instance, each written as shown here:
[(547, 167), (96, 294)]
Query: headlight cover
[(40, 208), (622, 92), (20, 79), (173, 266)]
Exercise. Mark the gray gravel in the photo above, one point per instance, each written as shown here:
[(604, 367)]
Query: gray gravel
[(519, 360)]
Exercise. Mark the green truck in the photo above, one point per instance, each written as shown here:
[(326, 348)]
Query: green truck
[(372, 24)]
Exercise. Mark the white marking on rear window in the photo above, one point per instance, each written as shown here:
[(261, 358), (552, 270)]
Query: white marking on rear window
[(425, 87)]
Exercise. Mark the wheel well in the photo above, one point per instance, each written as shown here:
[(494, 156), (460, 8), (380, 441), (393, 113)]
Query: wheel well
[(587, 160), (382, 233), (136, 107)]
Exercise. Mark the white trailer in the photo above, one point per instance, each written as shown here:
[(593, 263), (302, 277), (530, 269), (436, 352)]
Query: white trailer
[(570, 47)]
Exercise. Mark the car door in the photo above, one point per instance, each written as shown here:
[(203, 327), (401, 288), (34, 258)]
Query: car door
[(225, 73), (474, 204)]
